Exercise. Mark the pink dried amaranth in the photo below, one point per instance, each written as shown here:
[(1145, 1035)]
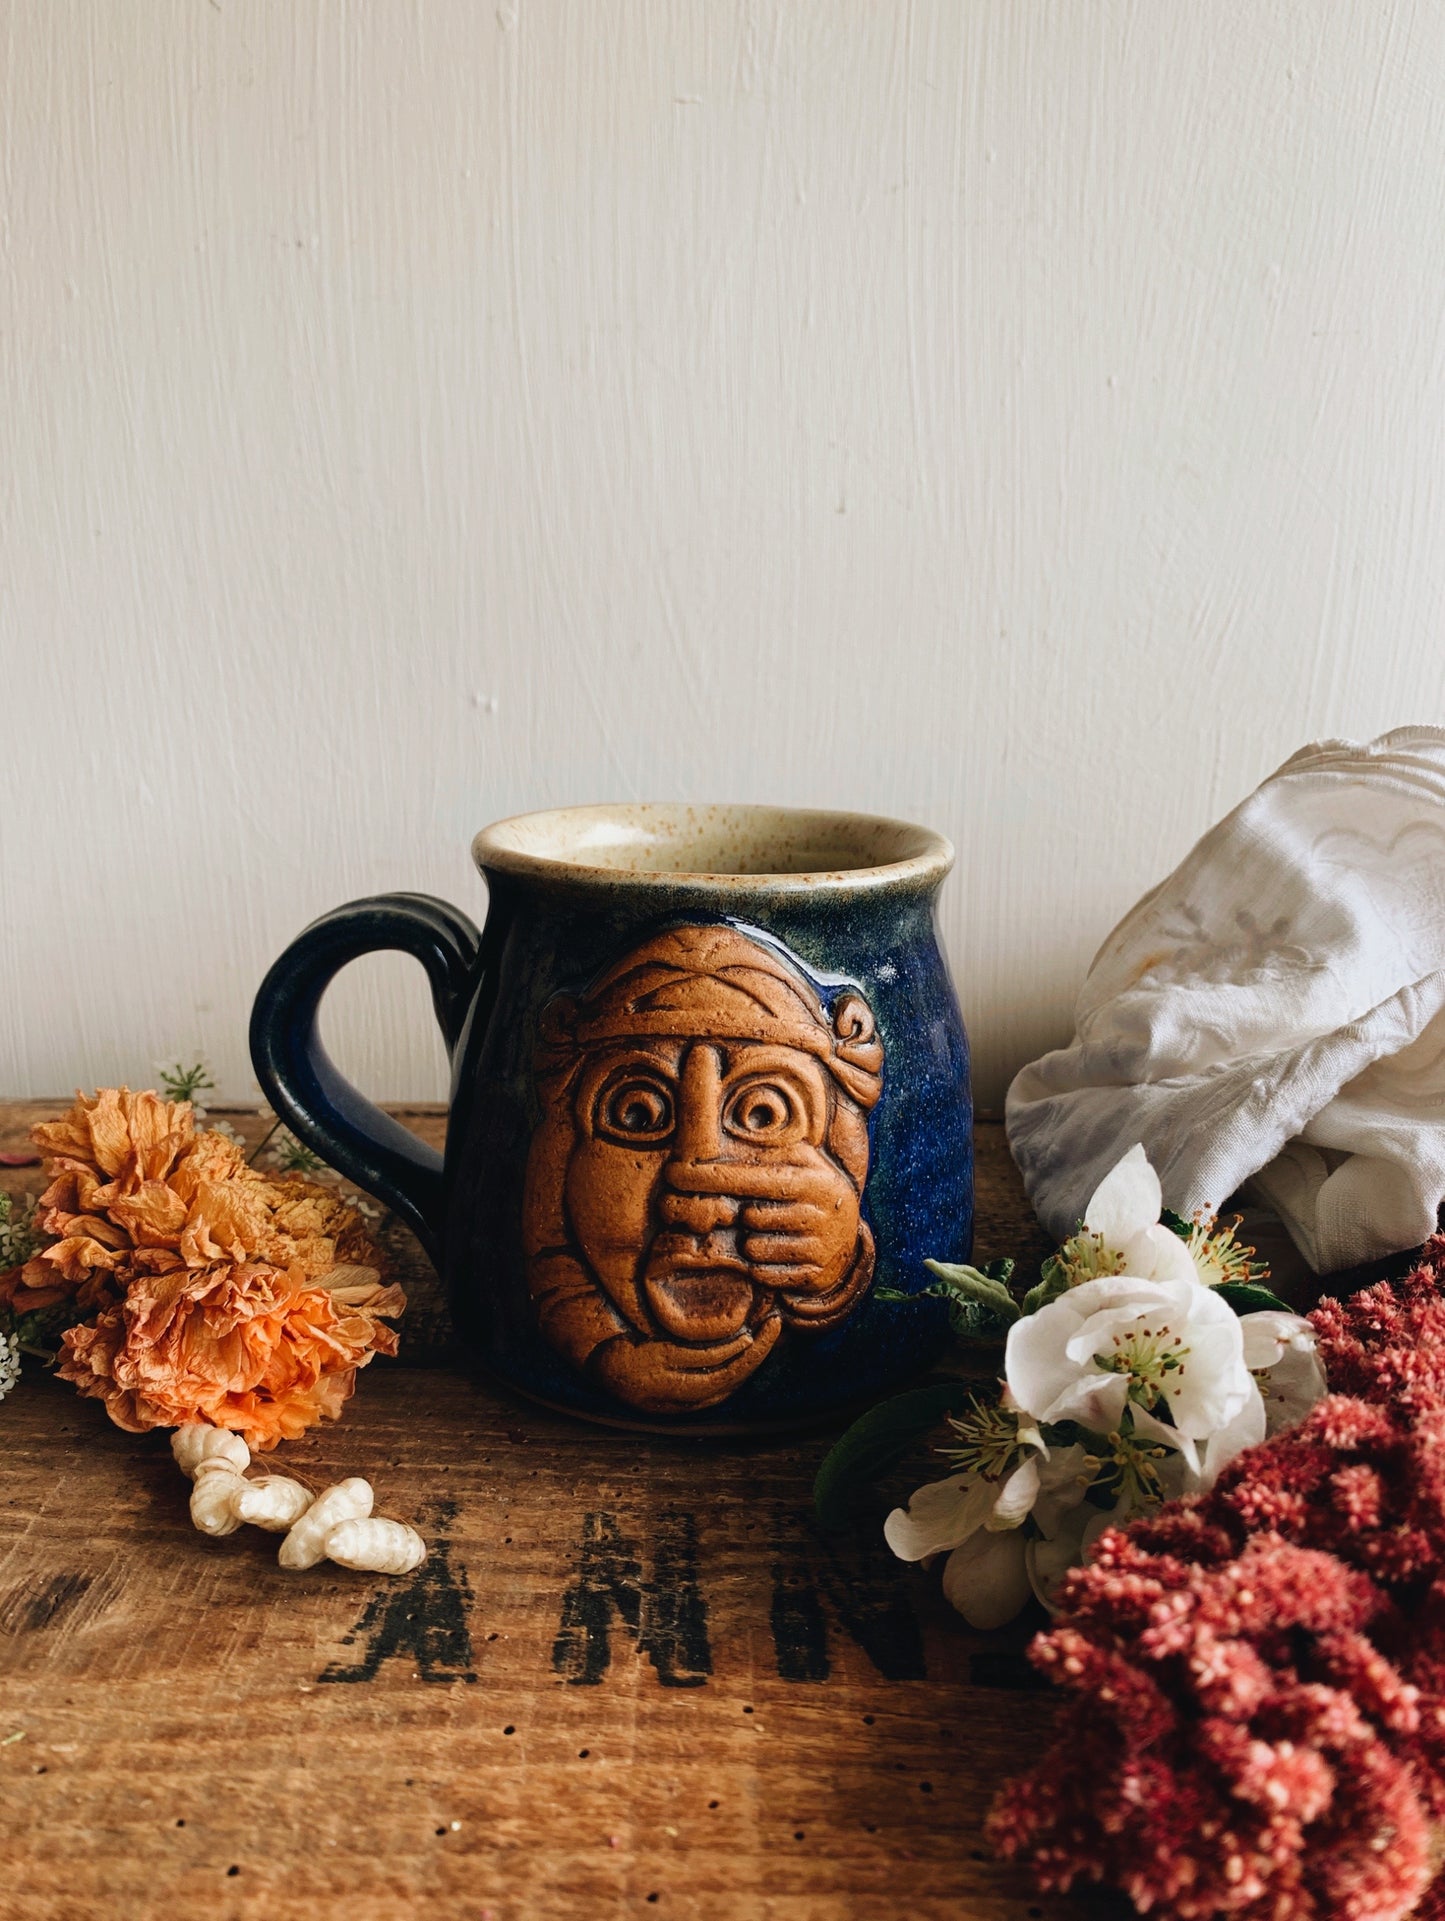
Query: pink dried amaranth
[(1255, 1721)]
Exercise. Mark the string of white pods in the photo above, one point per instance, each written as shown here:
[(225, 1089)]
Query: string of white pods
[(335, 1525)]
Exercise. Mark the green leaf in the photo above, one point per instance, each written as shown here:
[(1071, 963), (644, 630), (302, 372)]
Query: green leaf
[(1052, 1282), (968, 1319), (1247, 1298), (42, 1327), (974, 1285), (1176, 1223), (876, 1440), (1000, 1270)]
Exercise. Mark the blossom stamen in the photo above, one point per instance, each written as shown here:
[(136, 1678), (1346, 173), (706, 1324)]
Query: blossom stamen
[(988, 1440), (1148, 1359)]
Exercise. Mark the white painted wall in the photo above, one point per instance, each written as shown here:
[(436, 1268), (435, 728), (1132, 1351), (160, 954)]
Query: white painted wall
[(1025, 417)]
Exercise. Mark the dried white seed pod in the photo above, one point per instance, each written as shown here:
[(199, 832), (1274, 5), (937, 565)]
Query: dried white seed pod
[(385, 1547), (305, 1545), (272, 1501), (216, 1464), (213, 1500), (197, 1442)]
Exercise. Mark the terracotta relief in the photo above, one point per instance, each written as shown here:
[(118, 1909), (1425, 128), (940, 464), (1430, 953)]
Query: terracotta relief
[(694, 1185)]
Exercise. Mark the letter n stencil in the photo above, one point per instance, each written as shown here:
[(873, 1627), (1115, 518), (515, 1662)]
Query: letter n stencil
[(862, 1585), (662, 1608)]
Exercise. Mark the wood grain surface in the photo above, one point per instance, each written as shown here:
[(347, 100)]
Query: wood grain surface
[(631, 1677)]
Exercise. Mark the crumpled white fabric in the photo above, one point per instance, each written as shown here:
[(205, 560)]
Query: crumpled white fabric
[(1275, 1009)]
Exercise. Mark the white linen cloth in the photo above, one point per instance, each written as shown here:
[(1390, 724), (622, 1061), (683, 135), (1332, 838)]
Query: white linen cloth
[(1273, 1009)]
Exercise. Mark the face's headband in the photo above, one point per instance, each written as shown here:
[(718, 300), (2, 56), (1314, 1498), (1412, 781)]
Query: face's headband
[(713, 983)]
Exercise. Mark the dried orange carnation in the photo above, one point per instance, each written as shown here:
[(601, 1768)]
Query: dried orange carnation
[(134, 1190), (219, 1295), (252, 1347)]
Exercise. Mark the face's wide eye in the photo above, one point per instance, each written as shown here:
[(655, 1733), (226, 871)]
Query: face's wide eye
[(766, 1111), (635, 1110)]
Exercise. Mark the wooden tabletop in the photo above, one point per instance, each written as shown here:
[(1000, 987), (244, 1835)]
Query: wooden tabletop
[(631, 1677)]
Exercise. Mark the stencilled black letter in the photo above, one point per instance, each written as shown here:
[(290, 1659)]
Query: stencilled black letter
[(425, 1621), (664, 1612), (863, 1586)]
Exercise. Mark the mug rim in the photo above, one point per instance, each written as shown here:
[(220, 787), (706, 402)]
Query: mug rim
[(902, 853)]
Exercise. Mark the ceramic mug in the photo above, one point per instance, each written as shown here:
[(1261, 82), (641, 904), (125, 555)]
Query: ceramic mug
[(709, 1089)]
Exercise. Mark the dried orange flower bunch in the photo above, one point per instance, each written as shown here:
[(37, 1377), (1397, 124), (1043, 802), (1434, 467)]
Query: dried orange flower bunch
[(206, 1290)]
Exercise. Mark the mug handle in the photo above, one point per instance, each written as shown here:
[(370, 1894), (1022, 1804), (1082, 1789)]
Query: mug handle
[(309, 1092)]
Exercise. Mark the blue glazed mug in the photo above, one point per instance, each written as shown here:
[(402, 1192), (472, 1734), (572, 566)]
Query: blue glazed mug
[(709, 1090)]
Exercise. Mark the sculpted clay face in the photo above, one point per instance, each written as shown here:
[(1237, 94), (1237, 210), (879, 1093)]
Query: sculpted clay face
[(695, 1184)]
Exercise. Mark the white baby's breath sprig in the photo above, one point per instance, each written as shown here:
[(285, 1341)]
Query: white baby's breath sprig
[(19, 1236), (290, 1156), (9, 1365), (182, 1083)]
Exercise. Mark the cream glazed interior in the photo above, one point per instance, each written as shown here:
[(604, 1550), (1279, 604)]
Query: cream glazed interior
[(785, 849)]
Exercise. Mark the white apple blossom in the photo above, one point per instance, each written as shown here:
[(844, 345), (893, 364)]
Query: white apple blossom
[(1122, 1218), (1152, 1347), (1154, 1379), (977, 1521), (1213, 1454), (986, 1578), (1122, 1233), (1280, 1350), (1048, 1558)]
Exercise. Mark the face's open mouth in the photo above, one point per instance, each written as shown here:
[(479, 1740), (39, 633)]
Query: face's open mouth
[(696, 1295)]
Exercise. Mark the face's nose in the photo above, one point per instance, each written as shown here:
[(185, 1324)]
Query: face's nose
[(688, 1200), (698, 1133)]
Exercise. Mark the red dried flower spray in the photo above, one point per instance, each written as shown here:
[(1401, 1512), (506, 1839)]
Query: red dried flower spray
[(1256, 1721)]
